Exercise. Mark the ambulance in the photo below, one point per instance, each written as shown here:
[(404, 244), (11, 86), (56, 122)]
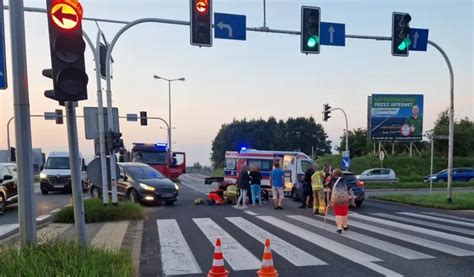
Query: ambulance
[(293, 163)]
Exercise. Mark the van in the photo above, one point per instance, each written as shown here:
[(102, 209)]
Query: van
[(56, 173)]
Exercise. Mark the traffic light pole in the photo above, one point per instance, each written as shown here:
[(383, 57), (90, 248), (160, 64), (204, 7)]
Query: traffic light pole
[(26, 199), (129, 24), (347, 127), (75, 164)]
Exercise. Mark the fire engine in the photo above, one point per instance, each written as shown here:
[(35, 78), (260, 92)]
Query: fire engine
[(172, 165), (293, 163)]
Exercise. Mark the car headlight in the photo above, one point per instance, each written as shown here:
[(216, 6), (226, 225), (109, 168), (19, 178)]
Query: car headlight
[(43, 176), (176, 186), (147, 187)]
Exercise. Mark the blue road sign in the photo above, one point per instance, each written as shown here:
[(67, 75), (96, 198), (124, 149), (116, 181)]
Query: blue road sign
[(230, 26), (345, 162), (419, 39), (3, 60), (333, 34)]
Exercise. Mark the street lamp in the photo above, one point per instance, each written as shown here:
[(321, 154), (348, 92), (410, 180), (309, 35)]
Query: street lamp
[(169, 112)]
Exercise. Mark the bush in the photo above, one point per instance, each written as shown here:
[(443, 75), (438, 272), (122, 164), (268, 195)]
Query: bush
[(407, 169), (64, 258), (95, 211)]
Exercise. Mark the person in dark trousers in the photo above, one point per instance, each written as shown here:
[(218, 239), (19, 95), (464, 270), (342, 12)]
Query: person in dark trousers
[(307, 192), (255, 180), (244, 186)]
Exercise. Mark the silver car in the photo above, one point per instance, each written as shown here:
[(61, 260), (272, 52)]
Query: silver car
[(379, 175)]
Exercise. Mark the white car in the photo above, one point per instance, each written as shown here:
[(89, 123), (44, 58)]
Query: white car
[(56, 173), (379, 175)]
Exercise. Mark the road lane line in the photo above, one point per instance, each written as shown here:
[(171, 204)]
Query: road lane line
[(237, 256), (456, 251), (176, 256), (370, 241), (288, 251), (425, 223), (340, 249), (250, 213), (457, 222), (8, 228), (111, 235), (450, 216), (425, 231)]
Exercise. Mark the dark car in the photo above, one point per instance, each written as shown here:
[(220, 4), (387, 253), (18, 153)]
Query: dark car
[(356, 185), (459, 174), (141, 183), (8, 186)]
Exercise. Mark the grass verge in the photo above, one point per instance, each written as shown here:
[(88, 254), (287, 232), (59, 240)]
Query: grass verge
[(95, 211), (415, 185), (64, 258), (217, 172), (461, 200)]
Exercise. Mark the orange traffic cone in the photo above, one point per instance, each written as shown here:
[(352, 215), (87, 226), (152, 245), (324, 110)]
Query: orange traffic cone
[(218, 269), (267, 269)]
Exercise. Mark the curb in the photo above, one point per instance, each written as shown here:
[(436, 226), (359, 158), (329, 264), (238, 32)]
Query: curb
[(418, 189), (132, 241), (467, 213), (41, 221)]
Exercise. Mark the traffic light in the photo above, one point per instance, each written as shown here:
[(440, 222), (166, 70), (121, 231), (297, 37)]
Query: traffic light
[(201, 22), (143, 119), (67, 51), (310, 29), (326, 112), (59, 117), (400, 34)]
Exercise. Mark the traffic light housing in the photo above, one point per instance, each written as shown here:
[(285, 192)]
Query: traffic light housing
[(67, 51), (310, 30), (143, 119), (201, 22), (59, 117), (400, 34), (326, 112)]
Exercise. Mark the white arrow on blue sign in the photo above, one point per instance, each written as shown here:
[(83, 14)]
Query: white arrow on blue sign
[(419, 39), (333, 34), (3, 60), (230, 26)]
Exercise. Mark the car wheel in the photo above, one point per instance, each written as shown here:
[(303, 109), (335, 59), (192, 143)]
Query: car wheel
[(3, 204), (95, 192), (169, 203), (132, 196), (44, 191), (359, 203)]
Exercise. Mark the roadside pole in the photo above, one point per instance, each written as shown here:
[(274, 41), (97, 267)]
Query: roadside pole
[(74, 161), (26, 199), (347, 127), (431, 165)]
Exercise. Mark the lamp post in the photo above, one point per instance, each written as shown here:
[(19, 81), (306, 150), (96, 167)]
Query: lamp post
[(169, 104)]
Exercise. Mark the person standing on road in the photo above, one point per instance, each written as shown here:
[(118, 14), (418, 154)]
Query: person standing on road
[(341, 197), (244, 186), (317, 186), (307, 187), (255, 180), (277, 180)]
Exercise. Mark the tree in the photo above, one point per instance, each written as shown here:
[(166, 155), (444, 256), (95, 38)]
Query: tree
[(359, 145), (463, 136)]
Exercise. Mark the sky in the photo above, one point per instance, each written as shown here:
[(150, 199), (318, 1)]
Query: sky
[(264, 76)]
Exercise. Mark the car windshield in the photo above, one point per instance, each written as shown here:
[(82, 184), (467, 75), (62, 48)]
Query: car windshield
[(143, 172), (149, 157), (365, 172), (442, 171), (57, 163)]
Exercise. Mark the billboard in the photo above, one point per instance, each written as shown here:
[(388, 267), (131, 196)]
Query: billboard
[(396, 117)]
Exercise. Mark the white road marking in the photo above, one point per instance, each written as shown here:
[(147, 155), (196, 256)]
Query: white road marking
[(424, 231), (111, 235), (342, 250), (288, 251), (456, 251), (457, 222), (237, 256), (425, 223), (176, 256), (7, 228), (371, 241), (438, 215), (43, 217), (250, 213)]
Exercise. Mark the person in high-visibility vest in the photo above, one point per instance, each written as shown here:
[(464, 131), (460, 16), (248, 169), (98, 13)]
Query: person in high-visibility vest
[(317, 185)]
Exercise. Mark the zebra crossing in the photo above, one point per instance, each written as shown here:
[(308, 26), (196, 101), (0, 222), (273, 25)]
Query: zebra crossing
[(396, 235)]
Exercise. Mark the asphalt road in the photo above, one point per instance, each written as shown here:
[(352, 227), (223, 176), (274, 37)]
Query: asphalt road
[(384, 239), (44, 205)]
